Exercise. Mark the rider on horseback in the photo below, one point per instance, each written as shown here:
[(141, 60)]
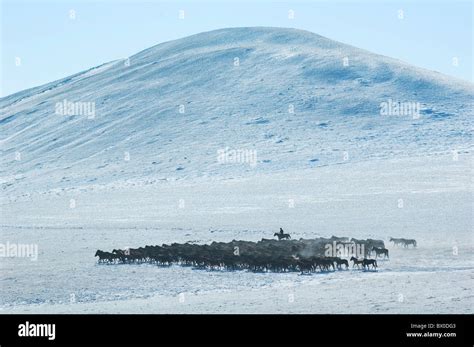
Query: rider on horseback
[(282, 235)]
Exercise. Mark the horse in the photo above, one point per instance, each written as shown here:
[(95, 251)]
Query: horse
[(396, 242), (367, 262), (318, 262), (327, 263), (282, 236), (304, 265), (380, 251), (357, 262), (339, 262), (105, 256), (407, 242), (404, 242), (323, 263)]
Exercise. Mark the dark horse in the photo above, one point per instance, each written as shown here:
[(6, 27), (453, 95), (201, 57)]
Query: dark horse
[(339, 262), (105, 256), (367, 262), (380, 251), (282, 236), (357, 262)]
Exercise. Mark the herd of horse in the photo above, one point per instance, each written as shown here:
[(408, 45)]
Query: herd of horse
[(303, 255)]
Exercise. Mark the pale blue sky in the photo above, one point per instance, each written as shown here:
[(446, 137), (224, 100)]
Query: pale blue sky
[(51, 45)]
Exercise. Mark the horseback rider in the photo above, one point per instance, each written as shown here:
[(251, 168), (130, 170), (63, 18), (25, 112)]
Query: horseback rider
[(282, 235)]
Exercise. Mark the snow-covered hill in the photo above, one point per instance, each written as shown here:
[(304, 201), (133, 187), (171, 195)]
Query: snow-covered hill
[(298, 99)]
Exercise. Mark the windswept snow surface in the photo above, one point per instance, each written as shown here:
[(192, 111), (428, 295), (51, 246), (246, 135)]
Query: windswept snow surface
[(146, 170)]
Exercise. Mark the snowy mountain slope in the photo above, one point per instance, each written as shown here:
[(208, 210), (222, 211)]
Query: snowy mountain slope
[(167, 113)]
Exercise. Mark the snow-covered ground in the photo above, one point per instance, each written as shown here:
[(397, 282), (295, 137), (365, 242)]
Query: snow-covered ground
[(144, 173), (435, 277)]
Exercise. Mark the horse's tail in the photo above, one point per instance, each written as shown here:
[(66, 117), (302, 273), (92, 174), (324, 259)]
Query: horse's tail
[(414, 243), (375, 261)]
